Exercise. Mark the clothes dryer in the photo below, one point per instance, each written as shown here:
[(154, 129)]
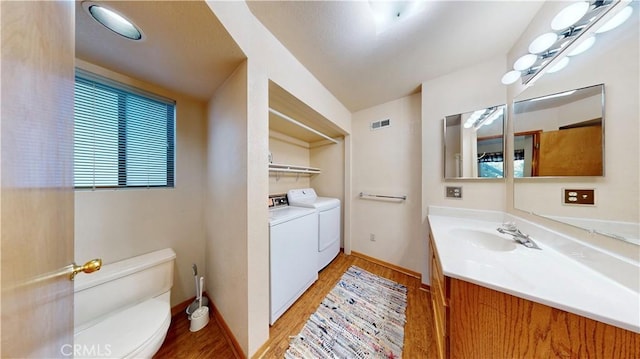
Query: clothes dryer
[(328, 221)]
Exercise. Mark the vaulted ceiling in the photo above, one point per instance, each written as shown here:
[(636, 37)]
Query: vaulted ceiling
[(338, 43), (188, 50)]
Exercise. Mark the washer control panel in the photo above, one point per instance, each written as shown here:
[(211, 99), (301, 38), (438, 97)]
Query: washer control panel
[(278, 200)]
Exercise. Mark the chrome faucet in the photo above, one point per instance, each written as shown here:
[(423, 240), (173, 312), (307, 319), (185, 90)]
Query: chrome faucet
[(524, 239)]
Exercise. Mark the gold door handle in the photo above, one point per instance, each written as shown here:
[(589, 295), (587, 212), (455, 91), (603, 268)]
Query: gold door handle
[(89, 267)]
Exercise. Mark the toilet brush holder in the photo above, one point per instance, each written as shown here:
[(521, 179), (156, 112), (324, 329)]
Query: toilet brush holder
[(195, 305), (199, 319)]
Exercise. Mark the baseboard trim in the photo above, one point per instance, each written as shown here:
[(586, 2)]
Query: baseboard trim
[(388, 265), (228, 334), (181, 307), (262, 350)]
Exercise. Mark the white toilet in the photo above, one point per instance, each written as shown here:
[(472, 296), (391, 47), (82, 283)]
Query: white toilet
[(123, 310)]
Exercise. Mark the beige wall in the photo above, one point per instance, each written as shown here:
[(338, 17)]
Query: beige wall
[(330, 159), (613, 60), (118, 224), (268, 60), (291, 151), (462, 91), (387, 161), (226, 202)]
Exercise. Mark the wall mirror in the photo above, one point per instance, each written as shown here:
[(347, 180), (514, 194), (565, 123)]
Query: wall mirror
[(560, 134), (474, 144), (616, 209)]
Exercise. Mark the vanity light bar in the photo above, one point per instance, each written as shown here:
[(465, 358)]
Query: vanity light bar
[(570, 28)]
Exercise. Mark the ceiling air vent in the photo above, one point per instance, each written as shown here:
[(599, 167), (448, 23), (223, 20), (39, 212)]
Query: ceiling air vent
[(376, 125)]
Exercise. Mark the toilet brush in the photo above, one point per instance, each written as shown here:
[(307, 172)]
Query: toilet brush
[(196, 303), (200, 317)]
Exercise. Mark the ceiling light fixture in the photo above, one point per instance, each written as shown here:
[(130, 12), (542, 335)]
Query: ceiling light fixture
[(112, 20), (387, 13), (525, 62), (511, 77), (543, 42), (569, 15), (574, 29)]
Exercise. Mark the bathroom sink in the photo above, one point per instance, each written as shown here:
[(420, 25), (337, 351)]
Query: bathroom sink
[(483, 239)]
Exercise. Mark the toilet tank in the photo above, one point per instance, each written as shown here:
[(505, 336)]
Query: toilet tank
[(120, 285)]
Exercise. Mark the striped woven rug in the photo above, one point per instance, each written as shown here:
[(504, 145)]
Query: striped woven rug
[(362, 317)]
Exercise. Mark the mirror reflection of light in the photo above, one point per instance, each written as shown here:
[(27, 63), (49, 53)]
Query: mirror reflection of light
[(561, 94), (584, 46), (473, 118), (616, 21), (559, 66), (492, 117)]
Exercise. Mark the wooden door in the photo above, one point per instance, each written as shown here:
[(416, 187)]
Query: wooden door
[(36, 178), (571, 152)]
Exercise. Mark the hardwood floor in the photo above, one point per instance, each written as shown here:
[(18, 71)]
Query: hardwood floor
[(210, 342)]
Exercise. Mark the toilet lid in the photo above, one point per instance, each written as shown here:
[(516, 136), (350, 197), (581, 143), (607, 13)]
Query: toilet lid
[(124, 333)]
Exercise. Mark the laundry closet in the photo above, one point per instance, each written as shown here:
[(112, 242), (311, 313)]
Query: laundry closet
[(306, 189), (300, 157)]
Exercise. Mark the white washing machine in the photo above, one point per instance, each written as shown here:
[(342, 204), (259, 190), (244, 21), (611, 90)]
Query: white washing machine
[(328, 221), (293, 238)]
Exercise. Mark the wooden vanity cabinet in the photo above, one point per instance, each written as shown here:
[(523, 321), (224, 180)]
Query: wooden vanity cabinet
[(439, 301), (472, 321)]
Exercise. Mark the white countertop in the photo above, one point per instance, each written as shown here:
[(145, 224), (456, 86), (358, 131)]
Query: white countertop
[(546, 276)]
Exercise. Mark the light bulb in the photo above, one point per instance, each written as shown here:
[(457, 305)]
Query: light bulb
[(584, 46), (569, 15), (559, 65), (616, 20), (511, 77), (543, 42), (524, 62)]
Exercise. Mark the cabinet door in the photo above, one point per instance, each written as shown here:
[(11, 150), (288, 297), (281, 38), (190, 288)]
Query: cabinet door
[(439, 302)]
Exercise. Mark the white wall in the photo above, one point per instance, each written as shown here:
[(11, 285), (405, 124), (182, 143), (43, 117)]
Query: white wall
[(118, 224), (613, 60), (268, 60), (387, 161), (462, 91)]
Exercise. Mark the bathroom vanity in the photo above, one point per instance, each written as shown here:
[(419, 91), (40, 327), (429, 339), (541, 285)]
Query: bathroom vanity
[(493, 298)]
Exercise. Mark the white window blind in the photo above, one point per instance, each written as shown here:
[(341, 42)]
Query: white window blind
[(123, 137)]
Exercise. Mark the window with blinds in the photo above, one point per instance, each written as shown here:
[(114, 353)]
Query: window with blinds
[(123, 137)]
